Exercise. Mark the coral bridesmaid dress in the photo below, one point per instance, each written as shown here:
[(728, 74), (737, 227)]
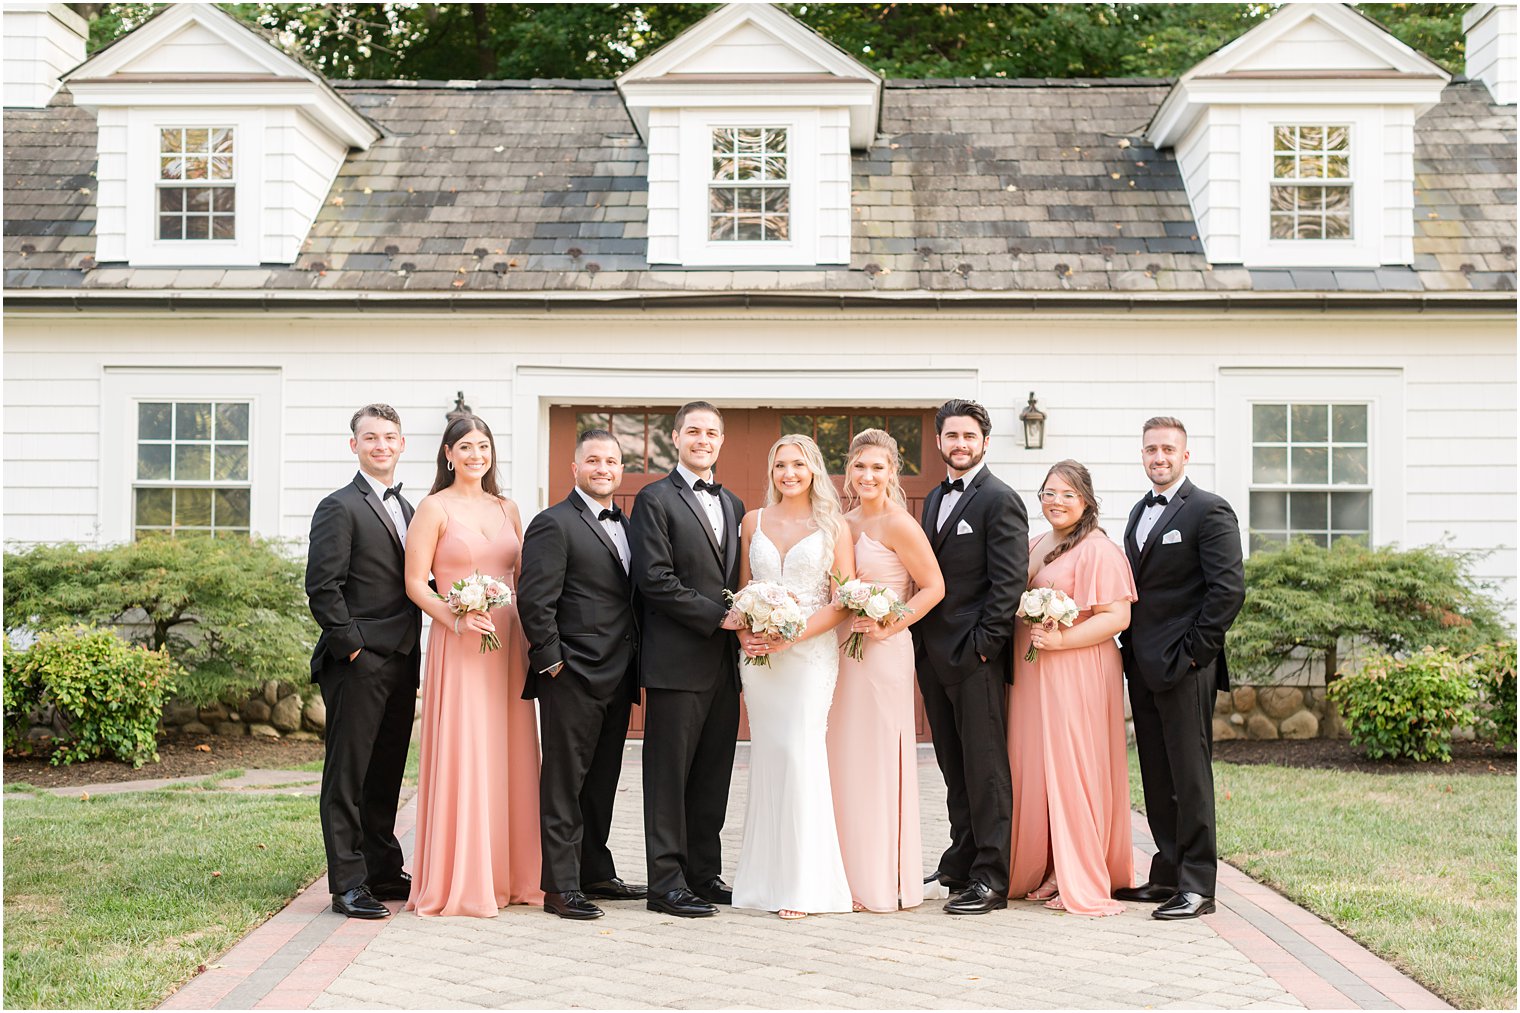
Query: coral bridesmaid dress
[(477, 795), (873, 760), (1066, 742)]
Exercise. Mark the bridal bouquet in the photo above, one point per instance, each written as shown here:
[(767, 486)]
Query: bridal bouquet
[(768, 609), (478, 593), (872, 601), (1046, 606)]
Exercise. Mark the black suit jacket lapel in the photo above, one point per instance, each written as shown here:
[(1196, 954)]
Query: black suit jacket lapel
[(731, 532), (1173, 505), (690, 497), (959, 509), (931, 510), (368, 492), (575, 500), (1130, 548)]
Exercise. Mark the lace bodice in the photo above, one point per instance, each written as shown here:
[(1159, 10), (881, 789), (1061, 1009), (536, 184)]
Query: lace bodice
[(804, 571)]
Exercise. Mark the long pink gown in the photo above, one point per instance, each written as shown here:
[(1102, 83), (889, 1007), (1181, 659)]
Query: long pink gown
[(1066, 743), (873, 761), (477, 794)]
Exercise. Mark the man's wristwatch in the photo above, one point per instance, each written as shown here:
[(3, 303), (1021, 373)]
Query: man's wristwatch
[(554, 669)]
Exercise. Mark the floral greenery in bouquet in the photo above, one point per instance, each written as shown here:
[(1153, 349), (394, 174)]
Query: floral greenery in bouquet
[(872, 601), (479, 593), (768, 609), (1046, 606)]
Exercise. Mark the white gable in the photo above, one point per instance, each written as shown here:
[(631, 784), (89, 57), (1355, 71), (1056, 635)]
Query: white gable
[(1313, 45), (196, 49), (750, 49)]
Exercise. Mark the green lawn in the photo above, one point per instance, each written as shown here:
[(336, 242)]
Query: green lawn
[(1417, 867), (111, 902)]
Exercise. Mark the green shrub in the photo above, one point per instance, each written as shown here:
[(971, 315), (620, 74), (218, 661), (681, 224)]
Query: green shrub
[(109, 693), (231, 611), (1406, 707), (1493, 676)]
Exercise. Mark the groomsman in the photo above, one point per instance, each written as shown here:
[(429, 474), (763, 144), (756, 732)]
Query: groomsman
[(1184, 547), (575, 600), (366, 664), (964, 653), (685, 531)]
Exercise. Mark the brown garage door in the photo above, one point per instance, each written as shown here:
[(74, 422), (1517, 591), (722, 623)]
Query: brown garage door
[(649, 454)]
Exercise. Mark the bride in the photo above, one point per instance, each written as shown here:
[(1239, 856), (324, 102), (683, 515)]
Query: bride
[(790, 861)]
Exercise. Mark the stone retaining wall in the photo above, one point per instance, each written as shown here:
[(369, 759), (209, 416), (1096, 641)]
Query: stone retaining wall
[(278, 711), (1271, 712)]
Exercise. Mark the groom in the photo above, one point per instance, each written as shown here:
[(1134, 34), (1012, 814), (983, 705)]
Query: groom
[(685, 541), (366, 664), (964, 653)]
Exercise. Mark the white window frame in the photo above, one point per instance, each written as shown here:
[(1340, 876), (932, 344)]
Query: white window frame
[(209, 183), (1296, 183), (1241, 388), (1288, 486), (144, 248), (695, 174), (1364, 248), (124, 387)]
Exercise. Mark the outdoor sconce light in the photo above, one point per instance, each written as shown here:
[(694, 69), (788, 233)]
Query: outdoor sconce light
[(460, 408), (1034, 425)]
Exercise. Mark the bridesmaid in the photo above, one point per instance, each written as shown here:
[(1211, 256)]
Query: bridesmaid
[(1071, 835), (477, 794), (873, 759)]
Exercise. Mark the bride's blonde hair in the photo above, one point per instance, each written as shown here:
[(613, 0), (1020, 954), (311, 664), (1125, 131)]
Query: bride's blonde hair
[(828, 516), (876, 438)]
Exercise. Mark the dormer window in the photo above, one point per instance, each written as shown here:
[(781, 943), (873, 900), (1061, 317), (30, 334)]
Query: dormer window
[(749, 198), (197, 183), (1311, 182)]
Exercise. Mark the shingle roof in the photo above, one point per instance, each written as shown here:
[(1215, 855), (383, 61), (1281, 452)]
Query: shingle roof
[(1014, 186)]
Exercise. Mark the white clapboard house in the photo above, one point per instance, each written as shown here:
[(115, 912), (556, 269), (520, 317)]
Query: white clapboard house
[(1304, 247)]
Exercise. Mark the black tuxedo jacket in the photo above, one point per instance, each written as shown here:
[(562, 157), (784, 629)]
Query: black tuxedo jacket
[(681, 573), (985, 570), (576, 603), (1190, 586), (355, 580)]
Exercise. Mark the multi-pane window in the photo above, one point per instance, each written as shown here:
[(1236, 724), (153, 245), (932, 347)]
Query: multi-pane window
[(192, 468), (196, 183), (833, 434), (749, 196), (1311, 182), (1309, 473), (643, 436)]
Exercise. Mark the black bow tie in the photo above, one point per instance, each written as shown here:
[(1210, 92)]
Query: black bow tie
[(959, 485), (702, 485), (1151, 499), (613, 513), (394, 490)]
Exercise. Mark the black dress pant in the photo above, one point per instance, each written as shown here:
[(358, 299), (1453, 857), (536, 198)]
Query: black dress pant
[(1174, 735), (688, 764), (369, 729), (582, 736), (969, 722)]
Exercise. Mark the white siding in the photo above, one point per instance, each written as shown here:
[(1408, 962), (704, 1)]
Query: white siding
[(300, 163), (111, 186), (1312, 46), (195, 49), (834, 186), (41, 41), (664, 186), (749, 49), (1209, 157), (1397, 182), (1491, 56)]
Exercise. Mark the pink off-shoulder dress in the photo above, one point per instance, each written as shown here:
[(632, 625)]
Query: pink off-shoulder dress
[(1066, 745)]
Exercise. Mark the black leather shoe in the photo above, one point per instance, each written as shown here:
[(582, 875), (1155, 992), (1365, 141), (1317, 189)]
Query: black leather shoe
[(977, 899), (683, 904), (571, 904), (714, 891), (399, 888), (615, 889), (1184, 905), (1146, 893), (357, 903), (949, 883)]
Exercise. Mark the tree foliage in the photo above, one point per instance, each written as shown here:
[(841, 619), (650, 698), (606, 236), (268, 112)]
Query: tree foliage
[(443, 41)]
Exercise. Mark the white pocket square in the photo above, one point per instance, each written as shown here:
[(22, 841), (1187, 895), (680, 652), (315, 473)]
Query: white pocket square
[(1172, 537), (963, 528)]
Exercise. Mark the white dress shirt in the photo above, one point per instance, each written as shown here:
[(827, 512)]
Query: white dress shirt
[(947, 504), (613, 528), (392, 505), (1151, 514), (709, 501)]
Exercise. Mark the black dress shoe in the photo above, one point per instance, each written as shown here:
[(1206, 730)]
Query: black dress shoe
[(615, 889), (682, 903), (357, 903), (1184, 905), (948, 882), (571, 904), (714, 891), (1146, 893), (399, 888), (977, 899)]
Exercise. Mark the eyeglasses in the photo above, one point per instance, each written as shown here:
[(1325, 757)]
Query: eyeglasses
[(1050, 496)]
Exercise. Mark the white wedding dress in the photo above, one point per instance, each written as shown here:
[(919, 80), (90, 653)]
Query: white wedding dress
[(790, 856)]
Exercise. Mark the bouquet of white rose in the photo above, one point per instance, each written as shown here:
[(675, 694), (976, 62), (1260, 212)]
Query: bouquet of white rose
[(768, 609), (1046, 606), (873, 601), (478, 593)]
